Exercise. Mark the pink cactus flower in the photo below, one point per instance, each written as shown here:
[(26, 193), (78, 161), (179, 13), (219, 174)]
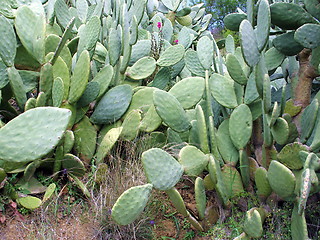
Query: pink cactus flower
[(176, 41), (159, 25)]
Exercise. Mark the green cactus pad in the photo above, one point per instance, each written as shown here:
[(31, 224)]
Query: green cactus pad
[(114, 46), (171, 56), (151, 120), (192, 160), (73, 165), (263, 24), (103, 77), (280, 131), (141, 49), (202, 130), (229, 44), (51, 44), (273, 58), (308, 120), (142, 69), (171, 111), (200, 197), (57, 92), (253, 224), (232, 181), (262, 183), (131, 204), (85, 139), (205, 52), (297, 15), (251, 92), (46, 80), (226, 148), (193, 63), (298, 225), (8, 43), (106, 144), (30, 28), (308, 35), (249, 45), (17, 86), (286, 44), (130, 125), (232, 21), (161, 79), (312, 7), (68, 141), (61, 70), (281, 179), (29, 202), (208, 183), (89, 95), (291, 109), (188, 91), (177, 201), (36, 132), (80, 77), (240, 126), (3, 175), (112, 105), (305, 187), (235, 69), (49, 192), (89, 36), (161, 169), (244, 168), (289, 155), (223, 91), (73, 113)]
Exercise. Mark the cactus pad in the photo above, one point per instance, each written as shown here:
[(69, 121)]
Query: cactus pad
[(281, 179), (8, 43), (131, 204), (30, 202), (297, 15), (289, 155), (112, 105), (171, 56), (193, 160), (253, 224), (161, 169), (240, 126), (226, 148), (200, 196), (262, 183), (223, 91), (308, 35), (249, 45), (36, 132), (188, 91), (171, 111), (142, 69)]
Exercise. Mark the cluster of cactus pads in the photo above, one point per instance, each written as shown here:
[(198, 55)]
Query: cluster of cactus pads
[(75, 79)]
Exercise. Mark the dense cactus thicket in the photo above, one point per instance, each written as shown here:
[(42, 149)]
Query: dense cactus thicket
[(75, 78)]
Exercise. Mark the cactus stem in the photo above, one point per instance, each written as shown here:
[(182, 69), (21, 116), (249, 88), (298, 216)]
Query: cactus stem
[(306, 75)]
